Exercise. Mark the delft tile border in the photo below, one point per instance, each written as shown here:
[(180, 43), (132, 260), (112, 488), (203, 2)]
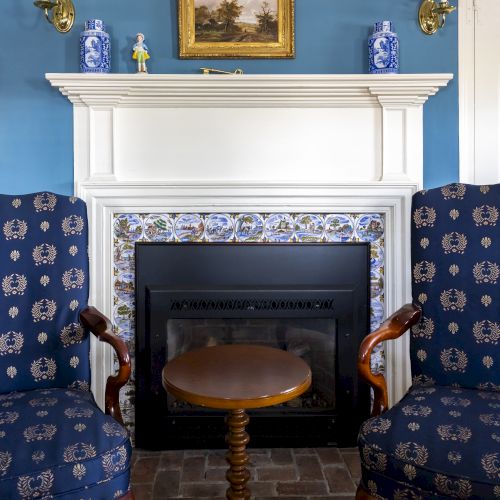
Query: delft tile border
[(234, 228)]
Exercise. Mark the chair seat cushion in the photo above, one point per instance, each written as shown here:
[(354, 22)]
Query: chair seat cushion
[(58, 443), (437, 442)]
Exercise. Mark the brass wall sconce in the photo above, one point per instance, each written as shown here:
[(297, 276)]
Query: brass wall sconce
[(63, 13), (432, 15)]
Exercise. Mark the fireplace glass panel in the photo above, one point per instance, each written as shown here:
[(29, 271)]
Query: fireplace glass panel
[(312, 339)]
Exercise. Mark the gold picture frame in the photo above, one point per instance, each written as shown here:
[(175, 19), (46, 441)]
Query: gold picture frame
[(209, 29)]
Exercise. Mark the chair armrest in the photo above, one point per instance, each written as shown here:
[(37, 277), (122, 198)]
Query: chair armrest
[(101, 327), (392, 328)]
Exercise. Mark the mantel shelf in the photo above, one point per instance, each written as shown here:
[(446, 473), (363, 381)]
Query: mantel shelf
[(173, 90)]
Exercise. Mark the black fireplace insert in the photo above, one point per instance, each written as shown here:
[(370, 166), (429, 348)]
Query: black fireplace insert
[(311, 299)]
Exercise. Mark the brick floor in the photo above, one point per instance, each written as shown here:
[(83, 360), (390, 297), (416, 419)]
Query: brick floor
[(303, 473)]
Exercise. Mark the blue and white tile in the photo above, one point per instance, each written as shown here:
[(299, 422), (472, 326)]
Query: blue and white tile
[(128, 227), (377, 360), (370, 227), (124, 316), (376, 282), (309, 227), (376, 313), (279, 228), (219, 228), (189, 228), (124, 286), (158, 227), (124, 256), (249, 228), (339, 228), (376, 255)]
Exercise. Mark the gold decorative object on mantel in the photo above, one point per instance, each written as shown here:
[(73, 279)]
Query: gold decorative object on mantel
[(432, 15), (208, 71), (225, 29), (63, 13)]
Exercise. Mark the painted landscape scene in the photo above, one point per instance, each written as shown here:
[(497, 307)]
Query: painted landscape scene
[(232, 21)]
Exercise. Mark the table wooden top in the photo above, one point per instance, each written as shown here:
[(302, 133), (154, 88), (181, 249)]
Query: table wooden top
[(236, 376)]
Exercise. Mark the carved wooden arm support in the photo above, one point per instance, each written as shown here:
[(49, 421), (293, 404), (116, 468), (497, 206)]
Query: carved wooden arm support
[(392, 328), (101, 327)]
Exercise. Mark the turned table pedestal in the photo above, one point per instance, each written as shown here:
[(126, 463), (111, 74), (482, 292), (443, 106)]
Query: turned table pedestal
[(236, 378)]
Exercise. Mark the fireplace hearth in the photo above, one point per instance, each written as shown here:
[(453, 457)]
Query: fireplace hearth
[(311, 299)]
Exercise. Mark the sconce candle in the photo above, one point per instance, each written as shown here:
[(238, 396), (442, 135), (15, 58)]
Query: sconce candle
[(95, 48), (383, 49)]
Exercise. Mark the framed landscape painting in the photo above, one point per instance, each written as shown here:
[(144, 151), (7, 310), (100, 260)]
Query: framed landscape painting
[(236, 29)]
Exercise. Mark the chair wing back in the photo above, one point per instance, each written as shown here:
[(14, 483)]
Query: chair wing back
[(44, 285), (456, 281)]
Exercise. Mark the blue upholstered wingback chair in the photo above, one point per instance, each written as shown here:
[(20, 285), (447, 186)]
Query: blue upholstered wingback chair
[(54, 440), (442, 440)]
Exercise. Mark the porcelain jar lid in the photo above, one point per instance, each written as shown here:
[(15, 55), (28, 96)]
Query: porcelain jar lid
[(94, 24), (382, 26)]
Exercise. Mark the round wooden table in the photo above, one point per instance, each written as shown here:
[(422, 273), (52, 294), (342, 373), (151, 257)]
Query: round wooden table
[(235, 378)]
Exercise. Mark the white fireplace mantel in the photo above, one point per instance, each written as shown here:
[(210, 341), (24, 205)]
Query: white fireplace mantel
[(378, 116), (247, 90), (263, 143)]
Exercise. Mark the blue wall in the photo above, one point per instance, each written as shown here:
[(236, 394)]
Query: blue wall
[(36, 131)]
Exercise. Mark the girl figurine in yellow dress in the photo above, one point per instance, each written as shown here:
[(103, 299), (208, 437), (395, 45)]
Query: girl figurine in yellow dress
[(140, 53)]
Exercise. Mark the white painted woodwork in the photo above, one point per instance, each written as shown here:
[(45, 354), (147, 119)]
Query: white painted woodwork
[(250, 128), (248, 145), (487, 93), (263, 143), (466, 62), (479, 67)]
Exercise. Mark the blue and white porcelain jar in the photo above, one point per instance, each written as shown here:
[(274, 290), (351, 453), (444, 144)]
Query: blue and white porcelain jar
[(383, 49), (95, 49)]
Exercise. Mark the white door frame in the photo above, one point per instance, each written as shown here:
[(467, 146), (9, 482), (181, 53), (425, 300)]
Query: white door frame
[(479, 101), (466, 89)]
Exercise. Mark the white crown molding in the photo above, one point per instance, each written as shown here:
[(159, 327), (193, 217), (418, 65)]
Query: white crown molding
[(131, 90)]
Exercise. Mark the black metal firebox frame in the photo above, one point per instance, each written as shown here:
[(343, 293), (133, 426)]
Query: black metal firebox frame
[(257, 280)]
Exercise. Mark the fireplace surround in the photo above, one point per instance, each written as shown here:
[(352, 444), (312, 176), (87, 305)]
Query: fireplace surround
[(130, 231), (311, 299), (289, 144)]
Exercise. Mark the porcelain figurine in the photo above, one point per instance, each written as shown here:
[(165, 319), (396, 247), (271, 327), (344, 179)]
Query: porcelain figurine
[(141, 53), (383, 49), (95, 48)]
